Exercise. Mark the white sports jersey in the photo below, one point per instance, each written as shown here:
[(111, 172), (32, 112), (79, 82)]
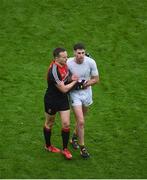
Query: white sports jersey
[(84, 71)]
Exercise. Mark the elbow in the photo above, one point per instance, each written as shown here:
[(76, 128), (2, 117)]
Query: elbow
[(97, 80), (62, 89)]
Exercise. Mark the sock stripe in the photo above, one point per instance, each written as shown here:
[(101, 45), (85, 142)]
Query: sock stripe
[(65, 129)]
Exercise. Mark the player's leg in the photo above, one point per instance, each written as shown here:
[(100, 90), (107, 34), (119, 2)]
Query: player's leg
[(49, 121), (74, 139), (75, 101), (75, 134), (65, 120), (79, 115), (85, 110), (78, 112), (50, 113), (86, 102)]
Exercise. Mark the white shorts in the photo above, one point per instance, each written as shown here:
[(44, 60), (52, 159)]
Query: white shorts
[(81, 97)]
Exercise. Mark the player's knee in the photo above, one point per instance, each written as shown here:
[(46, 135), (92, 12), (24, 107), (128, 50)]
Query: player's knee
[(66, 125), (49, 124)]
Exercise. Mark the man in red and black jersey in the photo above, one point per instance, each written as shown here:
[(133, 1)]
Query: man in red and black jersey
[(56, 100)]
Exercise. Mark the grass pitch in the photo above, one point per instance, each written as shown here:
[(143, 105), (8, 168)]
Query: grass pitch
[(114, 33)]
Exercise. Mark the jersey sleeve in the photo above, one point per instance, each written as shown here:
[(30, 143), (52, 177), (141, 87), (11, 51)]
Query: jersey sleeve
[(55, 76), (94, 69)]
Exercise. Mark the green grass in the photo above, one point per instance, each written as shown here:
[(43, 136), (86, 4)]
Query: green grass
[(115, 33)]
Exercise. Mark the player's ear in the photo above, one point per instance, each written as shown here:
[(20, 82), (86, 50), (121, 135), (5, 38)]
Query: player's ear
[(57, 58)]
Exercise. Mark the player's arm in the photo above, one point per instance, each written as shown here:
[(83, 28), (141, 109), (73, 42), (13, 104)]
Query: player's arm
[(65, 88), (94, 74), (59, 83), (92, 81)]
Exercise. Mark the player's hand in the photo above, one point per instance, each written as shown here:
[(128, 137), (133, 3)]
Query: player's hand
[(85, 84), (74, 77), (80, 85)]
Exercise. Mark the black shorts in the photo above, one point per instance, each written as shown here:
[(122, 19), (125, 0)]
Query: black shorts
[(55, 104)]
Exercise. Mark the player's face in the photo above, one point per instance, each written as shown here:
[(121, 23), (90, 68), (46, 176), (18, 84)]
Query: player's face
[(79, 55), (62, 58)]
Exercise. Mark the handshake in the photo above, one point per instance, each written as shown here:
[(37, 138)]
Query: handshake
[(80, 85)]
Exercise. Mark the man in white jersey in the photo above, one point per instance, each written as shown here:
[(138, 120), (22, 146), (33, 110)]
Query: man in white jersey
[(81, 96)]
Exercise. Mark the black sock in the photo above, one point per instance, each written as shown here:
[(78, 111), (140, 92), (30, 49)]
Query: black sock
[(82, 146), (47, 136), (74, 136), (65, 137)]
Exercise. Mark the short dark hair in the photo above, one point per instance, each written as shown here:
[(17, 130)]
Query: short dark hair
[(78, 46), (57, 51)]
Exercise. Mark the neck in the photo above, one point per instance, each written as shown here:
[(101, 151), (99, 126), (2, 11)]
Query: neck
[(58, 63), (79, 61)]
